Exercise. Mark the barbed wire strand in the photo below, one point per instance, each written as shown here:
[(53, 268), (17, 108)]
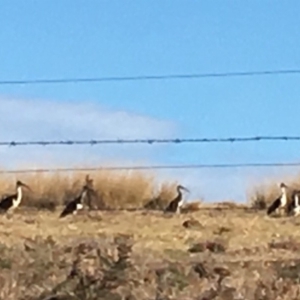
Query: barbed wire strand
[(151, 167), (149, 77), (150, 141)]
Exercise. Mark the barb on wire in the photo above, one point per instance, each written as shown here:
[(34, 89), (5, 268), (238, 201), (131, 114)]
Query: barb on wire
[(150, 141), (153, 167)]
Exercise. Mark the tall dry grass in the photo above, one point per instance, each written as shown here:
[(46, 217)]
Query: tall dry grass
[(124, 189)]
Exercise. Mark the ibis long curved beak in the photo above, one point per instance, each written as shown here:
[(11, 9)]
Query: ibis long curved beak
[(26, 186), (187, 190), (184, 188)]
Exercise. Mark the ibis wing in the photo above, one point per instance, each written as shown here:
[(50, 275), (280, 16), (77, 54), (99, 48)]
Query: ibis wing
[(172, 207), (293, 204), (7, 202), (274, 206), (70, 207)]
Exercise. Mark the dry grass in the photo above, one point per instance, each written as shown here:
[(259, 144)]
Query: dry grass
[(222, 251), (191, 207), (128, 189), (147, 255)]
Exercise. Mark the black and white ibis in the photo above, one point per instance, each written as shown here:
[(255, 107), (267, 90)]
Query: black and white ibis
[(77, 204), (280, 202), (175, 205), (11, 202), (293, 207)]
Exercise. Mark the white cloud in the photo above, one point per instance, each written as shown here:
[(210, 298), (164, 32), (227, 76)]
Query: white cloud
[(52, 119), (23, 120)]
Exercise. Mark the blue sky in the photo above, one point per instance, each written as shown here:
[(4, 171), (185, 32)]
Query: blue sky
[(52, 39)]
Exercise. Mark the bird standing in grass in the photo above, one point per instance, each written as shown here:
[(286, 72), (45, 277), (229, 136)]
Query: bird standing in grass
[(175, 205), (280, 202), (297, 205), (77, 204), (11, 202), (294, 206)]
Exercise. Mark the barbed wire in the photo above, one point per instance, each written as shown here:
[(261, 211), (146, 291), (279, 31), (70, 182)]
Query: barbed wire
[(150, 141), (149, 77), (151, 167)]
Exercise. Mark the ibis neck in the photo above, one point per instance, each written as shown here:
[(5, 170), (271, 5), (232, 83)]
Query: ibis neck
[(179, 191), (19, 194), (283, 190), (83, 194)]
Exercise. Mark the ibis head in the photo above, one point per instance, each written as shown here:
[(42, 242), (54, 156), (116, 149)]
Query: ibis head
[(180, 187), (88, 180), (282, 185), (20, 183)]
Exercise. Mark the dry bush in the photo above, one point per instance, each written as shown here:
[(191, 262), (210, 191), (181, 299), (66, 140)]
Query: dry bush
[(263, 196), (124, 189), (191, 207), (165, 194)]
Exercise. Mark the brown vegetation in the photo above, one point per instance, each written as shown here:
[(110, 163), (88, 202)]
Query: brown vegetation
[(222, 251), (146, 255), (128, 189)]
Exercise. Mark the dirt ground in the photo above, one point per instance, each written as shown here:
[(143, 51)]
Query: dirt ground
[(210, 254)]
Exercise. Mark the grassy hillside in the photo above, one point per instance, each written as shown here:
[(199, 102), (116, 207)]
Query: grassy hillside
[(222, 251), (215, 253)]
